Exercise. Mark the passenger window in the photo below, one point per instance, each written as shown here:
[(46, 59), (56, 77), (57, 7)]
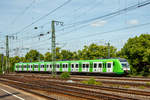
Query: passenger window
[(19, 66), (57, 65), (63, 65), (31, 66), (42, 66), (87, 65), (83, 65), (50, 66), (77, 65), (36, 66), (24, 66), (72, 65), (100, 65), (109, 65), (95, 65)]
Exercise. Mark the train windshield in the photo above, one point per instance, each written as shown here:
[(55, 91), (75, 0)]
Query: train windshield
[(125, 64)]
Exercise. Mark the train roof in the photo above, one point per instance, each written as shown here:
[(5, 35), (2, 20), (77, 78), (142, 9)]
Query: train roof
[(108, 60)]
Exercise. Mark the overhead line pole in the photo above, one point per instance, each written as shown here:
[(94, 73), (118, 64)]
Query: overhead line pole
[(53, 46), (7, 53), (108, 50)]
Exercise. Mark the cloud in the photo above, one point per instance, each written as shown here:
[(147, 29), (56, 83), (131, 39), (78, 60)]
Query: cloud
[(98, 23), (133, 22)]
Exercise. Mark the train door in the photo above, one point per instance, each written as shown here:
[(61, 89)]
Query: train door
[(20, 67), (65, 67), (85, 67), (74, 67), (36, 67), (30, 67), (97, 67), (25, 67), (57, 67), (42, 67), (109, 66), (49, 67)]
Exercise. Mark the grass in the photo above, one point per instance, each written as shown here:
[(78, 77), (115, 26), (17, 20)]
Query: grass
[(126, 86), (141, 87), (148, 83), (65, 75), (91, 81)]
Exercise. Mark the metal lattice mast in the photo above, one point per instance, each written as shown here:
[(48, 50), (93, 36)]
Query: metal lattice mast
[(53, 48), (108, 50), (7, 53)]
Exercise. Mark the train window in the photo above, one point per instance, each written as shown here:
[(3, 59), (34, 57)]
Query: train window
[(63, 65), (66, 65), (25, 66), (57, 65), (19, 66), (72, 65), (109, 65), (47, 66), (87, 65), (83, 65), (77, 65), (50, 66), (100, 65), (42, 66), (35, 66), (95, 65)]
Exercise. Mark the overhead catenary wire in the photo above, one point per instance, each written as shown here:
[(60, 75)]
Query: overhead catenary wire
[(23, 12), (115, 30), (107, 16), (115, 13), (42, 17)]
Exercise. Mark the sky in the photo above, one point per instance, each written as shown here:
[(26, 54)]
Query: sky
[(19, 18)]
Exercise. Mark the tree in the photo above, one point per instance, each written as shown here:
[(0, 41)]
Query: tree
[(48, 56), (96, 52), (137, 51), (66, 55), (34, 56)]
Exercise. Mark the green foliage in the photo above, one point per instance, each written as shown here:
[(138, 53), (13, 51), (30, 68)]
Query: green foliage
[(33, 56), (148, 83), (84, 82), (53, 76), (95, 51), (126, 86), (137, 51), (141, 87), (91, 81), (48, 56), (65, 75)]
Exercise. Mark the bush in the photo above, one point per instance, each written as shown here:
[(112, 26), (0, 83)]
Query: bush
[(65, 75), (97, 83), (91, 81), (84, 82), (148, 83), (126, 86), (141, 87)]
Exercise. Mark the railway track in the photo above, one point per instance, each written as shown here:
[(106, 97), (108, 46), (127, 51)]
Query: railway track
[(142, 79), (77, 87), (81, 93), (107, 80)]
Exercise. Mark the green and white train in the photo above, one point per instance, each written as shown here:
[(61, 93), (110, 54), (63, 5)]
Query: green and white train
[(115, 66)]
